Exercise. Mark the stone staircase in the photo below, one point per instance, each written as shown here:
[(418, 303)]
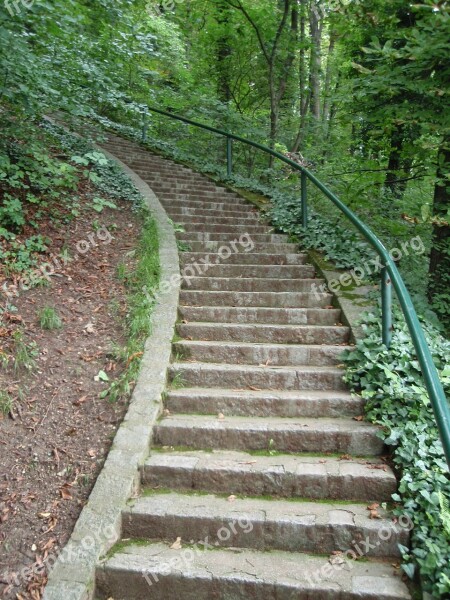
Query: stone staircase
[(260, 479)]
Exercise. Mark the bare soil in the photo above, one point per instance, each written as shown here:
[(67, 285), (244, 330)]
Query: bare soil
[(56, 437)]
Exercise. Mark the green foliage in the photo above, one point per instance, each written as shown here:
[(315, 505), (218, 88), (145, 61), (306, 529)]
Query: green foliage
[(49, 319), (391, 384), (25, 353), (5, 402), (22, 257), (140, 285)]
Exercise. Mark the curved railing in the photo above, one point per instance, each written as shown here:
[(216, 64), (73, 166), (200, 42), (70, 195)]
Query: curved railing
[(390, 276)]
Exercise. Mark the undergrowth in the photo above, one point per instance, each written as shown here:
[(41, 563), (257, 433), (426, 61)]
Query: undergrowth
[(140, 284), (391, 383)]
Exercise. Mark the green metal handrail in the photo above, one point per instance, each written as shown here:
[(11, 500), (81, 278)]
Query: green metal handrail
[(390, 275)]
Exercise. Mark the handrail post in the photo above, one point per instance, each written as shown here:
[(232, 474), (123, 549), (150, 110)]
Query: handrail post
[(304, 200), (386, 306), (229, 156)]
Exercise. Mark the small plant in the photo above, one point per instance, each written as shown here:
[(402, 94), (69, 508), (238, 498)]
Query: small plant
[(5, 402), (271, 448), (183, 246), (49, 319), (121, 271), (98, 204), (24, 354)]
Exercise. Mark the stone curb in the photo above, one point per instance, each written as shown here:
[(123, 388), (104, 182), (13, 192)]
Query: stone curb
[(353, 304), (99, 525)]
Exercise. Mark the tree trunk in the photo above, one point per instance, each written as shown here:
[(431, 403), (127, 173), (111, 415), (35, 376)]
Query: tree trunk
[(304, 95), (395, 164), (328, 79), (223, 52), (439, 270), (315, 24)]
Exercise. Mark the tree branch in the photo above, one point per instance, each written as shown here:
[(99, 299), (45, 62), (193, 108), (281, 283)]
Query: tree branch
[(240, 7)]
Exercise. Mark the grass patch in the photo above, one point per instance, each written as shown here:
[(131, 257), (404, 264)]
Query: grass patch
[(49, 319), (140, 300), (25, 354), (5, 402)]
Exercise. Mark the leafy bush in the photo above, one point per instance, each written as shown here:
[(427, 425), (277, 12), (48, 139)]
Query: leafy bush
[(390, 381)]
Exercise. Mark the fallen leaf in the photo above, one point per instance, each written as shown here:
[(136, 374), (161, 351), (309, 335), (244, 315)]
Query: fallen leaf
[(345, 457), (90, 328), (65, 494), (176, 545), (336, 558), (360, 418)]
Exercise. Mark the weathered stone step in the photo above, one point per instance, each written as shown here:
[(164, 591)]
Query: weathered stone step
[(182, 188), (195, 215), (157, 572), (245, 256), (254, 299), (222, 246), (207, 198), (256, 284), (283, 476), (220, 228), (175, 203), (260, 332), (261, 238), (223, 269), (282, 403), (264, 525), (283, 316), (249, 376), (243, 352), (280, 434)]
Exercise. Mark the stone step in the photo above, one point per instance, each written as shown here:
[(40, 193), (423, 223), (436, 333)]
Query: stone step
[(249, 377), (175, 203), (255, 284), (261, 238), (282, 316), (279, 434), (254, 299), (264, 525), (206, 198), (220, 269), (194, 215), (244, 258), (225, 247), (280, 476), (269, 334), (157, 572), (281, 403), (242, 352), (174, 187), (220, 228)]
